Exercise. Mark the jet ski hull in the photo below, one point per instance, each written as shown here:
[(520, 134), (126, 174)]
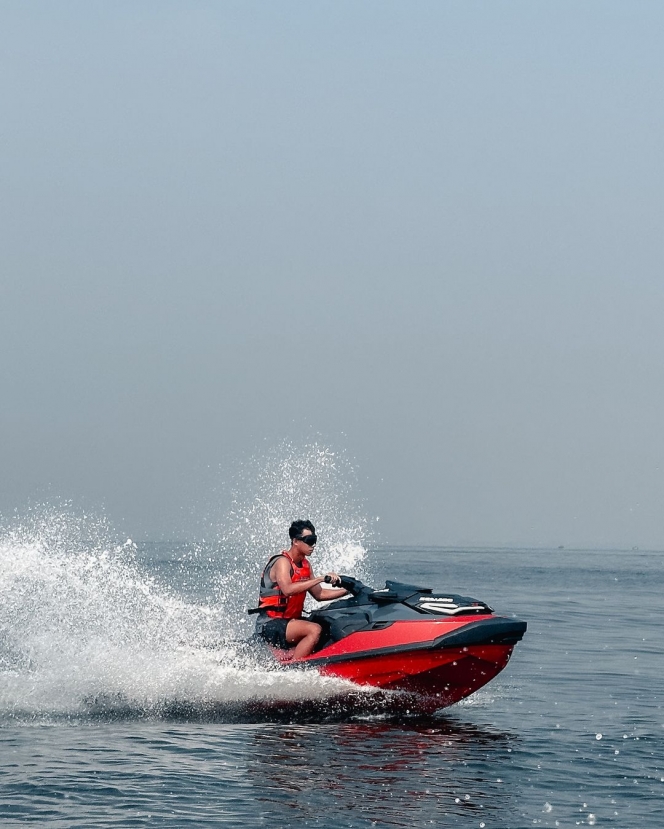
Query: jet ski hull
[(442, 647), (444, 659), (448, 676)]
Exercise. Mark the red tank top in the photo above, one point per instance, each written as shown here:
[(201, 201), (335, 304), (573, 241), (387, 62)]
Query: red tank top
[(280, 606)]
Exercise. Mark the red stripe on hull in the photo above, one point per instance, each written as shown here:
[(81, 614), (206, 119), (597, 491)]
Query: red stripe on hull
[(398, 634)]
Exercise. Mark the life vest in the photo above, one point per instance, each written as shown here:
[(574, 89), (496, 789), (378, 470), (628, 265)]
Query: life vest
[(270, 598)]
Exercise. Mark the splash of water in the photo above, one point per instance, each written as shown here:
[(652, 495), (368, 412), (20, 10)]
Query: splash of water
[(84, 626), (289, 482), (81, 622)]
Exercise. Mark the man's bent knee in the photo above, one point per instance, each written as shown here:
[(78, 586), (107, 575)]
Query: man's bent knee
[(299, 629)]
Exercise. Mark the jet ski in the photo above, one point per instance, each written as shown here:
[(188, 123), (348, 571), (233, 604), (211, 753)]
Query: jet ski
[(440, 646)]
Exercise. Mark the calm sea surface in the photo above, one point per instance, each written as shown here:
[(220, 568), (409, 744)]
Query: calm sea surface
[(124, 702)]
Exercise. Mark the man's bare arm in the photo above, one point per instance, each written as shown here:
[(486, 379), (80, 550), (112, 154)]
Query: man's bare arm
[(282, 577), (323, 595)]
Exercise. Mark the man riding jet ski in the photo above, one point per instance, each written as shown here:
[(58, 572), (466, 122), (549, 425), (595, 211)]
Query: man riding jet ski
[(407, 638), (286, 580)]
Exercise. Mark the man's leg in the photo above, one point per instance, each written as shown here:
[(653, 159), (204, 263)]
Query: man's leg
[(305, 634)]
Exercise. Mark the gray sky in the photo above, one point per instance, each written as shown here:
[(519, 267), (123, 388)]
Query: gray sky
[(428, 232)]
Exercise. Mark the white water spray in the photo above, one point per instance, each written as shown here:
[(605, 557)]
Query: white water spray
[(287, 483), (81, 620)]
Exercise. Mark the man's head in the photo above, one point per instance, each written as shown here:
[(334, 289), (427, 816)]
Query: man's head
[(303, 533)]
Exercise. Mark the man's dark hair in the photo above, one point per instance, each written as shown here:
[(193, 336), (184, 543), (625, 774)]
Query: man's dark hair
[(297, 527)]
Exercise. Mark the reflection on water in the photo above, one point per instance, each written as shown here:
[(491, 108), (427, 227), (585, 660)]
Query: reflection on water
[(394, 773)]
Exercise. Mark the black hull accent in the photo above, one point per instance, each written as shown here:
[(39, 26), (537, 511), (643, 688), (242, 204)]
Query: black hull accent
[(485, 632)]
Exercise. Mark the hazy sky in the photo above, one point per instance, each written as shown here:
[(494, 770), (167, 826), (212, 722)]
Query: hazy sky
[(429, 233)]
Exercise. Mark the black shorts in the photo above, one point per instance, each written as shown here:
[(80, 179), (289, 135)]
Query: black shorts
[(273, 631)]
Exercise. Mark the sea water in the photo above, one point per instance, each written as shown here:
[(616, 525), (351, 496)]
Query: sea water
[(128, 697)]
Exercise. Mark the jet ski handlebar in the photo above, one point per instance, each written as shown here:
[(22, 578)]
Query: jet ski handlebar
[(353, 586)]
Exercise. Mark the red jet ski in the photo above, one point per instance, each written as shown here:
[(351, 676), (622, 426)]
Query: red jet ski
[(407, 638)]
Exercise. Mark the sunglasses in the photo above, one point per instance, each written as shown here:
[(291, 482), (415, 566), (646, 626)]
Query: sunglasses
[(309, 540)]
